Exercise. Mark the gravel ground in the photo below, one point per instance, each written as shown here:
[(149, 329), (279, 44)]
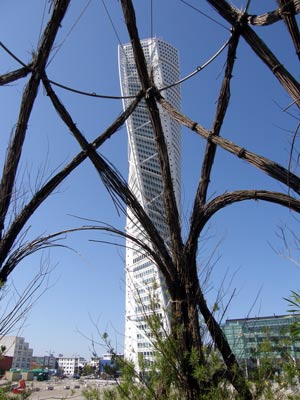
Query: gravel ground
[(64, 389)]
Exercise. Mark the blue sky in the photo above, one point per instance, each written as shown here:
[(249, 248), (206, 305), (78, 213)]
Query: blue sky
[(87, 283)]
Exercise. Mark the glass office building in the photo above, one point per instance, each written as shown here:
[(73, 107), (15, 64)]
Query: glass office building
[(145, 181), (252, 339)]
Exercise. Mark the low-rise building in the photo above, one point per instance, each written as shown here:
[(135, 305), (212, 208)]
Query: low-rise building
[(253, 339), (70, 365), (111, 364), (18, 350), (45, 362)]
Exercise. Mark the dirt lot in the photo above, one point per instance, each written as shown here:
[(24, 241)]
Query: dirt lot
[(63, 389)]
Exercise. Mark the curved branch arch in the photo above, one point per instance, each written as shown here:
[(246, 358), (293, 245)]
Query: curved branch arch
[(227, 199)]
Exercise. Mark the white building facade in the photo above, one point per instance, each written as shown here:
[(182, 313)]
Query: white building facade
[(70, 365), (143, 280), (19, 350)]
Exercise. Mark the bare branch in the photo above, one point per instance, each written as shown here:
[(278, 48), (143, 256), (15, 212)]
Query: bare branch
[(288, 12), (237, 18), (210, 150), (114, 183), (19, 305), (240, 195), (15, 149), (276, 15), (14, 75), (21, 219), (269, 167)]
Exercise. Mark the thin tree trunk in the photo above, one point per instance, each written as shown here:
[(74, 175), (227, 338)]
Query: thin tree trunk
[(185, 330)]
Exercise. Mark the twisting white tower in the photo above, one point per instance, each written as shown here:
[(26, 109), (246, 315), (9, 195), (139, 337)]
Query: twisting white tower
[(145, 181)]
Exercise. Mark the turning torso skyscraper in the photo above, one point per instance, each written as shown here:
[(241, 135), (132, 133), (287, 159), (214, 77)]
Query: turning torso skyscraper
[(146, 183)]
